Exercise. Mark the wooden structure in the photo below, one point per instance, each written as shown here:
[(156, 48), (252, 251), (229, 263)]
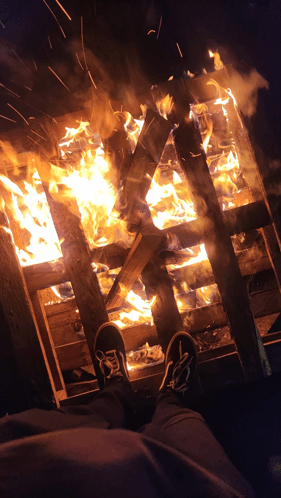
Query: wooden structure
[(45, 343)]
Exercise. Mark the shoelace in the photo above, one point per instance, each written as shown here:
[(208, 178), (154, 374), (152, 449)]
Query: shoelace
[(109, 360), (181, 371)]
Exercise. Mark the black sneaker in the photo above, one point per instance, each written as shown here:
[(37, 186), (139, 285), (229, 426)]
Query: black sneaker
[(181, 361), (110, 354)]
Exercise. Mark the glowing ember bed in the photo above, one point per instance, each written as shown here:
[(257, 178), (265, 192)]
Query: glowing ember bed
[(159, 223)]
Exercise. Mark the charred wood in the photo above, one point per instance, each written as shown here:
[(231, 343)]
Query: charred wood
[(220, 253)]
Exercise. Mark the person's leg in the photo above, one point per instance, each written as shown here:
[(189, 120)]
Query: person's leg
[(106, 411), (181, 428), (109, 409)]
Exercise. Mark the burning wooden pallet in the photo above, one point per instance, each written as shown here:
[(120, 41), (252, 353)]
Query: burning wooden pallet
[(42, 341)]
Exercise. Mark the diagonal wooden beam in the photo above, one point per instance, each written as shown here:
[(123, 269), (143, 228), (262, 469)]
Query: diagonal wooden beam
[(148, 242), (145, 159)]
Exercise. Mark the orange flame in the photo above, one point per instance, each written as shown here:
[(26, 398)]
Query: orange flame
[(88, 174)]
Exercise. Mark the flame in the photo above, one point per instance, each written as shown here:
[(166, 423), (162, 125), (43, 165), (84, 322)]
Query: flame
[(218, 64), (140, 312), (165, 106), (85, 173), (168, 198), (222, 156)]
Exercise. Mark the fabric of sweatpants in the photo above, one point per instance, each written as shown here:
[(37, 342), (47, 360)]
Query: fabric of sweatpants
[(71, 452)]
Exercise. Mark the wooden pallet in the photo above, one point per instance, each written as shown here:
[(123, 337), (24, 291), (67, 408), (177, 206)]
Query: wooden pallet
[(33, 344)]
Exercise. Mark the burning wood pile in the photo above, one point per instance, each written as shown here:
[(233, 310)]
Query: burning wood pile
[(167, 224)]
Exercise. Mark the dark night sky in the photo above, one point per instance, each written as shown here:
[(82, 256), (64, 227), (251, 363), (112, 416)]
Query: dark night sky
[(116, 33)]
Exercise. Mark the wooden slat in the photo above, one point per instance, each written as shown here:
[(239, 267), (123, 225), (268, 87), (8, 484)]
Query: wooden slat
[(145, 159), (241, 219), (260, 190), (76, 259), (214, 316), (65, 322), (219, 370), (147, 243), (220, 253), (200, 274), (118, 147), (195, 321), (24, 376), (77, 354), (266, 177), (165, 311), (47, 341)]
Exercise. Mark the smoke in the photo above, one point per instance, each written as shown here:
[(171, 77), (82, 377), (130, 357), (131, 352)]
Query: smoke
[(244, 80), (245, 87)]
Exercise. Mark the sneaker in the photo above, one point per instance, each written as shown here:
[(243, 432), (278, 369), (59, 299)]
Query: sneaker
[(181, 361), (109, 348)]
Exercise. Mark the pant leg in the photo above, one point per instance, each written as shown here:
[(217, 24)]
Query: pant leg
[(108, 410), (187, 432)]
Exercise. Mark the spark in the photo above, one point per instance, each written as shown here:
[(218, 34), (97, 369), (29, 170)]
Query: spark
[(21, 61), (82, 42), (64, 11), (36, 143), (180, 52), (2, 24), (58, 78), (63, 33), (10, 90), (27, 88), (35, 133), (35, 65), (149, 126), (42, 112), (160, 24), (91, 78), (8, 119), (50, 42), (109, 103), (18, 113), (151, 31), (79, 62)]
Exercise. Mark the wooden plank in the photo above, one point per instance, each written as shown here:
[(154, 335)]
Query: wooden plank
[(76, 258), (200, 274), (48, 343), (165, 311), (266, 177), (218, 371), (65, 322), (253, 176), (24, 376), (273, 251), (241, 219), (118, 147), (220, 253), (195, 321), (145, 159), (43, 275), (214, 316), (147, 243), (77, 354)]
